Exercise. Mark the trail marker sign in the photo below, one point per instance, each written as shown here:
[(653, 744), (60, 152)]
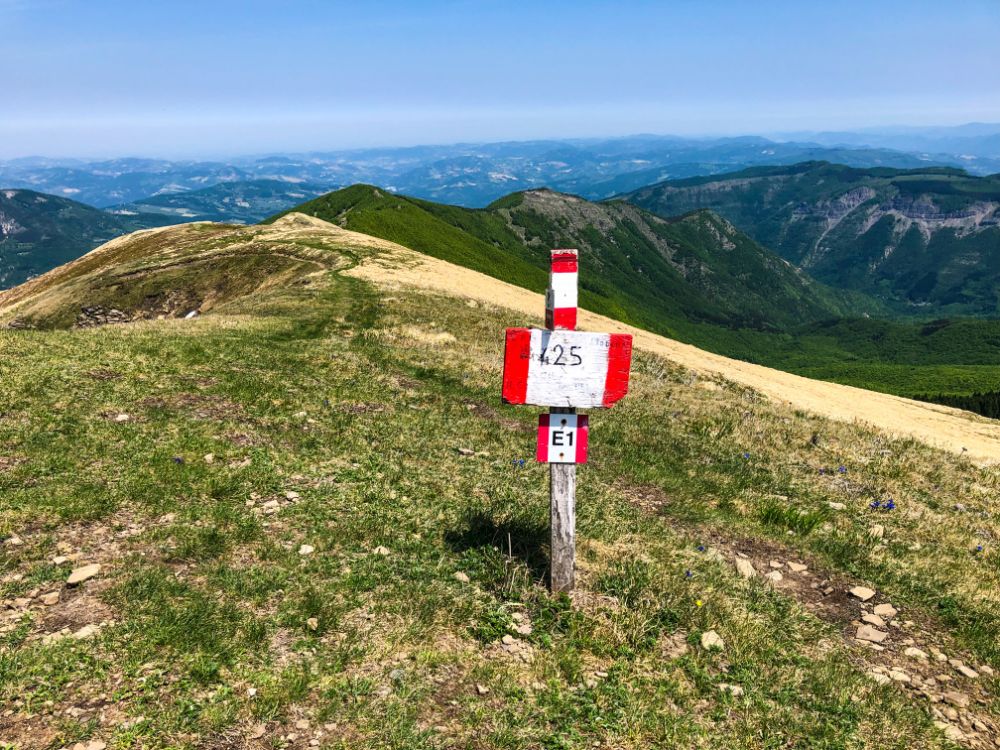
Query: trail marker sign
[(564, 369), (562, 438)]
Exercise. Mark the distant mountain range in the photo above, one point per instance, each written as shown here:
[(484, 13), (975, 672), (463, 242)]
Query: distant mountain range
[(925, 241), (230, 202), (474, 174)]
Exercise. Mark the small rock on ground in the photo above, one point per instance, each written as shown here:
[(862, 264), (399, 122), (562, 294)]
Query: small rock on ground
[(461, 577), (745, 568), (862, 592), (870, 634), (875, 620), (886, 611), (79, 575), (711, 640)]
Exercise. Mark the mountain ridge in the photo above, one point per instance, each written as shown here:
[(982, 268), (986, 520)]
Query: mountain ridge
[(922, 240)]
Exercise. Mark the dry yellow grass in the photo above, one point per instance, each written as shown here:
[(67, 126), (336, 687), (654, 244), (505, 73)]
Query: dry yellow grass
[(940, 426)]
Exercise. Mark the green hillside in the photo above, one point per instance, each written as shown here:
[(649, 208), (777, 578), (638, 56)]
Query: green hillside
[(667, 275), (694, 278), (926, 241), (39, 232), (301, 519)]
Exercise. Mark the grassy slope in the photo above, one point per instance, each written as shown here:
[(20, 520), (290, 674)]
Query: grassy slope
[(664, 275), (886, 356), (215, 624)]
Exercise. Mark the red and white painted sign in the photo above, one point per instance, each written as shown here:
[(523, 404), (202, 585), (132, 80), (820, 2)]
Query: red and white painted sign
[(561, 298), (565, 368), (562, 438)]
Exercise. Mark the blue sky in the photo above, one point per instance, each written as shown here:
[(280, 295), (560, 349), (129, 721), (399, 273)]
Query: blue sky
[(181, 78)]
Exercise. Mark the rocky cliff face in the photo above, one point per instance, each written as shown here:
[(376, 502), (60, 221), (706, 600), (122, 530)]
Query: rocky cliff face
[(917, 238)]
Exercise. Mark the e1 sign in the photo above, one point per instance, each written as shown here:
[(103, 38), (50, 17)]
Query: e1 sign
[(562, 438)]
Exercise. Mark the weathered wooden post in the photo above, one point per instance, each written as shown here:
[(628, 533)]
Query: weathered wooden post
[(565, 369)]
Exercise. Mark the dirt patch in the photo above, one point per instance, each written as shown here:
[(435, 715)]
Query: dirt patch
[(103, 374), (647, 497), (241, 439), (10, 462), (197, 405), (75, 612)]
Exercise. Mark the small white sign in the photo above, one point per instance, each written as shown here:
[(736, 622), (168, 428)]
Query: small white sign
[(562, 438)]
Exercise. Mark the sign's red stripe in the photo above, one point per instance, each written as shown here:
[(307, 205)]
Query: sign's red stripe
[(565, 265), (564, 318), (542, 452), (582, 433), (619, 364), (516, 358)]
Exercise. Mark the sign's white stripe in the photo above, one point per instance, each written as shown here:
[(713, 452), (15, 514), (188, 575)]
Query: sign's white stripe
[(567, 368), (564, 291)]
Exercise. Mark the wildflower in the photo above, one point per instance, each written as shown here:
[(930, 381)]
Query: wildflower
[(698, 603), (822, 471), (522, 463), (875, 505), (890, 504), (687, 574), (746, 454), (979, 548), (842, 469), (701, 547), (178, 460)]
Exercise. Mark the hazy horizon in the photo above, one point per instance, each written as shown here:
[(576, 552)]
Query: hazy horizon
[(226, 79)]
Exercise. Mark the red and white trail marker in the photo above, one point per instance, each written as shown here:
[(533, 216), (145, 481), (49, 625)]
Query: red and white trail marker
[(562, 438), (564, 369), (561, 297)]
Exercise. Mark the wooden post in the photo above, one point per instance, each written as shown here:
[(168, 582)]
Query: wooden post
[(562, 517), (560, 314)]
